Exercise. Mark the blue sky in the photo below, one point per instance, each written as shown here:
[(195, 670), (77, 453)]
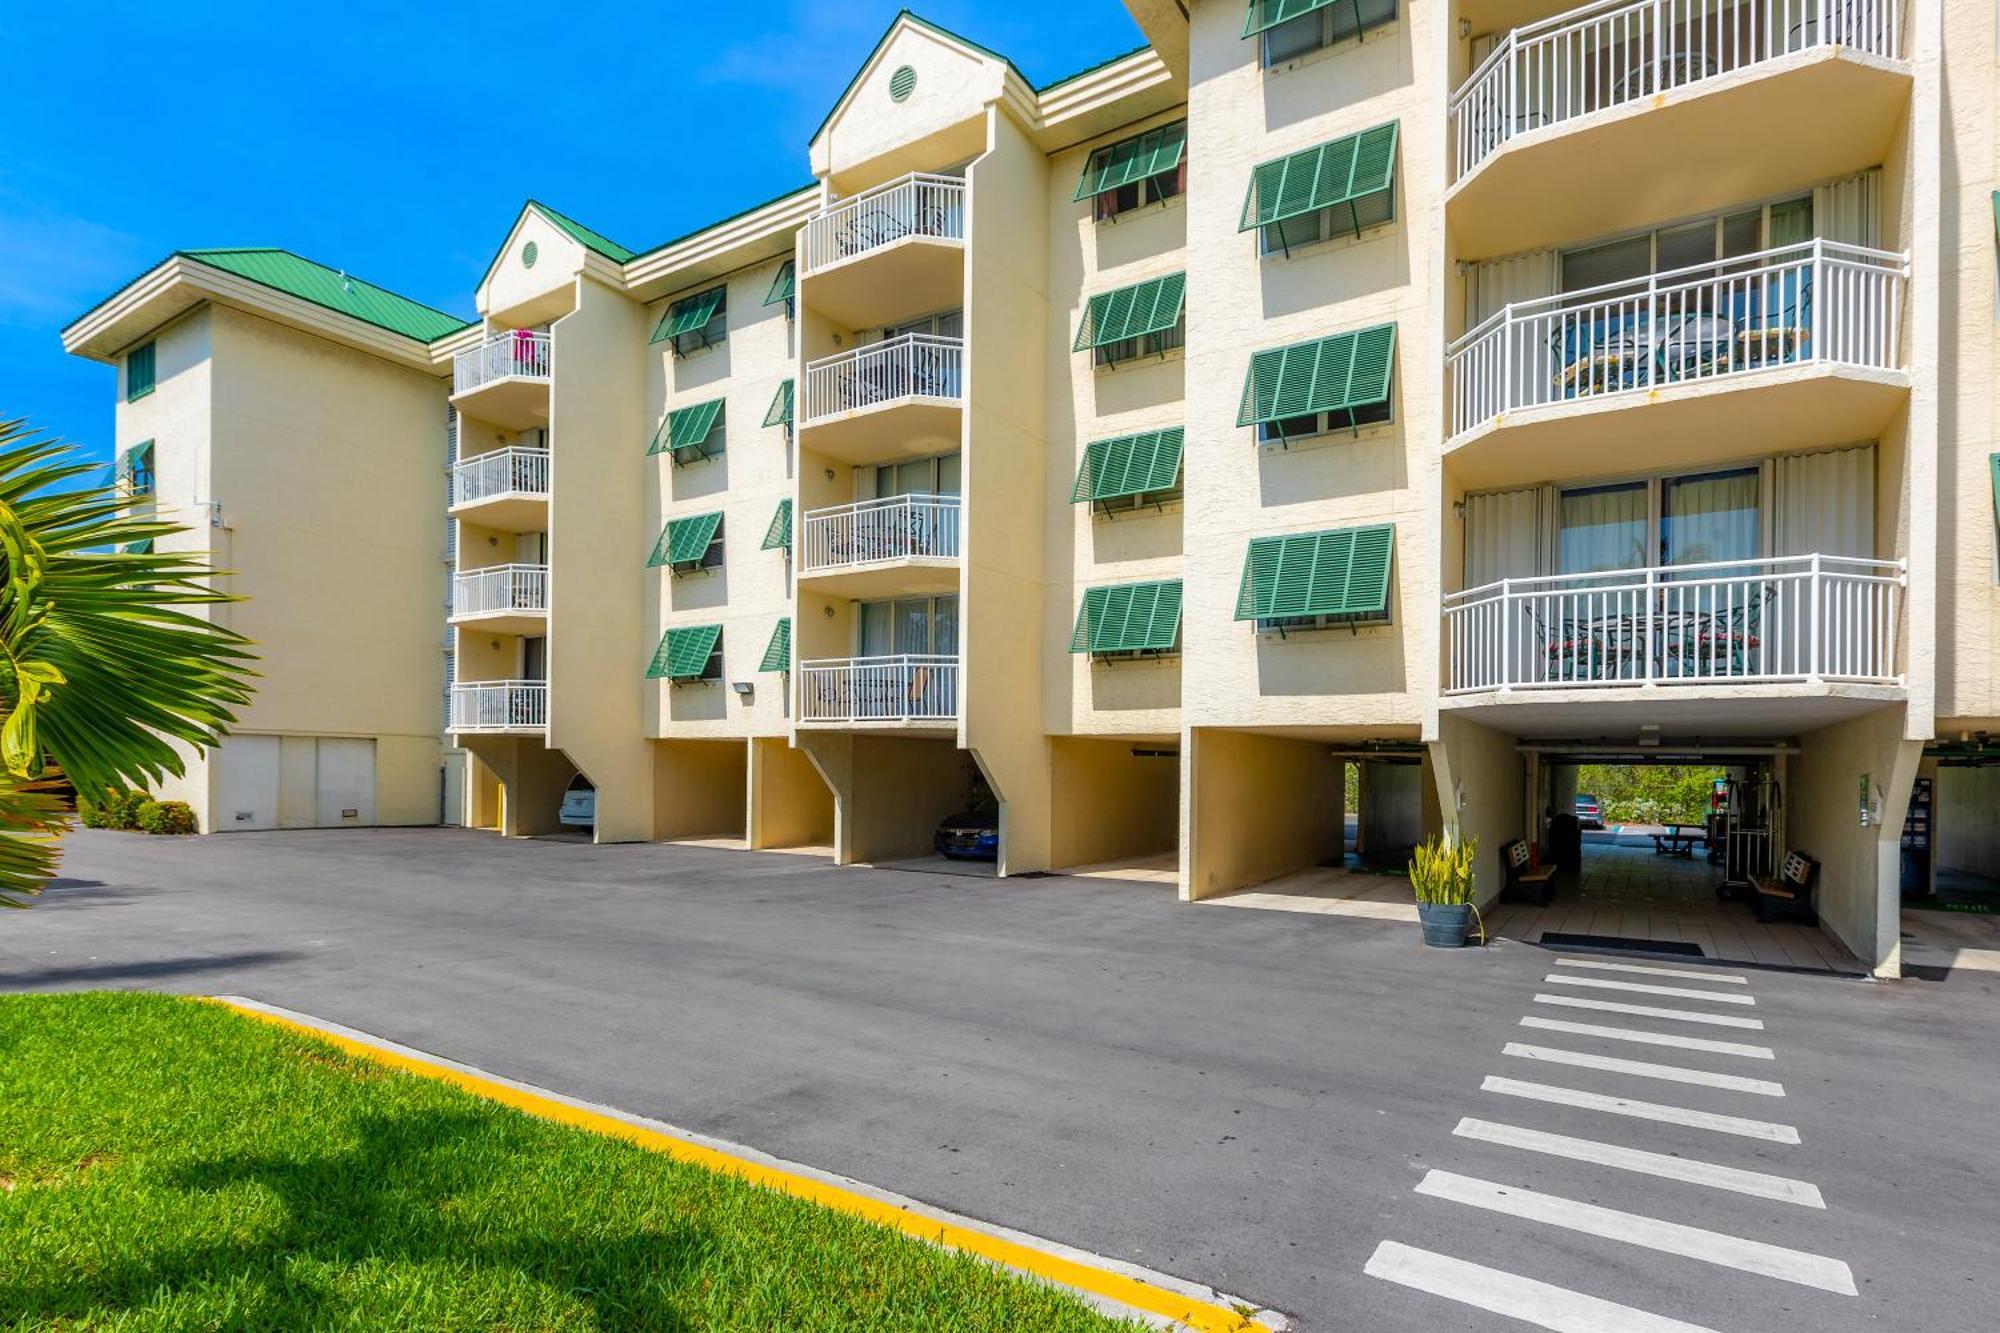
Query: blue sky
[(397, 140)]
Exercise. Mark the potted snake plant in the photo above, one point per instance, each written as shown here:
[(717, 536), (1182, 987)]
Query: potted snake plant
[(1441, 875)]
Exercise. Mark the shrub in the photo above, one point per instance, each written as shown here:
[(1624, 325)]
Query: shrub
[(90, 813), (124, 808), (168, 817)]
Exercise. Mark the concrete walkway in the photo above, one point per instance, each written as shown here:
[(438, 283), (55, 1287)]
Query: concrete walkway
[(1249, 1099)]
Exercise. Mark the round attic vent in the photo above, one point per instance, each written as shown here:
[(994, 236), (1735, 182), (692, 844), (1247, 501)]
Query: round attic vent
[(529, 254), (902, 83)]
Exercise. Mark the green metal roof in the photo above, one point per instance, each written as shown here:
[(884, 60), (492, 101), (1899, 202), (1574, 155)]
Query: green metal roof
[(1344, 571), (1336, 374), (283, 271), (687, 427), (1128, 618), (684, 541), (779, 535), (778, 653), (1130, 465), (780, 410), (1338, 172), (1129, 312), (690, 314), (683, 653), (1135, 159), (583, 235)]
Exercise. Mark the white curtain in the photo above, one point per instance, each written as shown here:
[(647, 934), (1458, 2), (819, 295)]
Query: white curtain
[(1498, 281), (1824, 503), (1711, 517), (1850, 210), (1507, 535), (1604, 527)]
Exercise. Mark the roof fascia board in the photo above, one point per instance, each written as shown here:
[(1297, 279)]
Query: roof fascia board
[(764, 232)]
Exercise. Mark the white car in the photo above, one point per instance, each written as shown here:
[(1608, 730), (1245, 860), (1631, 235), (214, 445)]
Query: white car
[(579, 804)]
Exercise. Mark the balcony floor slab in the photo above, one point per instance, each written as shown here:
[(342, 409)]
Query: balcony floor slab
[(1719, 420), (526, 623), (1710, 712), (890, 284), (900, 428), (1778, 125), (918, 576), (514, 402), (510, 511)]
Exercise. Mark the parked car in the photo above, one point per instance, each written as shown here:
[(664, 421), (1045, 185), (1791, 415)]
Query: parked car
[(970, 835), (1589, 812), (579, 804)]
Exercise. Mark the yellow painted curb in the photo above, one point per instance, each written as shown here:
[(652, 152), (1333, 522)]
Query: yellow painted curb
[(1102, 1282)]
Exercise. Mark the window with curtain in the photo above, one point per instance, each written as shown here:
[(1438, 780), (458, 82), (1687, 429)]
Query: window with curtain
[(1701, 241), (1710, 516), (1603, 527)]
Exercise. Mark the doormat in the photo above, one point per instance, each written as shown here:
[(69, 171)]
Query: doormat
[(1976, 907), (1621, 942)]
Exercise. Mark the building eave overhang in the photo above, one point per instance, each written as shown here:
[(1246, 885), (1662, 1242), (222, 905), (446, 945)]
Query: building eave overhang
[(179, 283), (763, 233)]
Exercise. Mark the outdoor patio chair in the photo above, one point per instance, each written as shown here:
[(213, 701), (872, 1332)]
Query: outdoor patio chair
[(1601, 355), (1773, 319), (1790, 895), (1535, 884)]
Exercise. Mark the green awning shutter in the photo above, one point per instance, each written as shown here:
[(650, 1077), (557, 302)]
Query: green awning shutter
[(1336, 374), (139, 364), (1344, 572), (1153, 153), (1344, 171), (683, 653), (1127, 618), (685, 540), (687, 428), (778, 653), (779, 535), (1130, 465), (780, 411), (140, 548), (1267, 14), (1131, 312), (1995, 461), (690, 314), (784, 284)]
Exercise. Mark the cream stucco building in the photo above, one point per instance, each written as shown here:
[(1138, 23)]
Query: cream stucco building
[(1326, 397)]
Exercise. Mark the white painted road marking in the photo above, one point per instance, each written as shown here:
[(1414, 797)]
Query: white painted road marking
[(1763, 1186), (1678, 992), (1612, 1064), (1652, 1011), (1515, 1297), (1748, 1256), (1667, 1115), (1685, 974), (1743, 1049)]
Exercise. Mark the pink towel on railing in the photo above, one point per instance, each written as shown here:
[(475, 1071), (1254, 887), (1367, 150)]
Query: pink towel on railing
[(524, 349)]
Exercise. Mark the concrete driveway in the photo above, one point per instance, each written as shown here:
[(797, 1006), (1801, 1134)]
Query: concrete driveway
[(1254, 1100)]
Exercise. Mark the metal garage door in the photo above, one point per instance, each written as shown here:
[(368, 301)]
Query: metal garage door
[(247, 795), (346, 782)]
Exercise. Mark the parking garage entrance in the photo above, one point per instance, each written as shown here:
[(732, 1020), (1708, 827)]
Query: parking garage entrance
[(1661, 853)]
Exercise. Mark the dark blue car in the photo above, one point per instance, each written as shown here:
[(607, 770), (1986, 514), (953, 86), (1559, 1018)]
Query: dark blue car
[(970, 835)]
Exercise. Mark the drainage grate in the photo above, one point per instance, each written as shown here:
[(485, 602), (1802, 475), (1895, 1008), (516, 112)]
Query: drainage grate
[(1621, 942)]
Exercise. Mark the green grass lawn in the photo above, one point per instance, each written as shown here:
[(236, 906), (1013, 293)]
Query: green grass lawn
[(165, 1164)]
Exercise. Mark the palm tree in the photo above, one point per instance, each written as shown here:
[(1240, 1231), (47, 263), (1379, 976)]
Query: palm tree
[(105, 661)]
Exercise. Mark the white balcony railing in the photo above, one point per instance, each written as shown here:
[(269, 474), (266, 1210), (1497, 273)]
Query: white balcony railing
[(500, 589), (879, 689), (895, 527), (916, 365), (1620, 51), (500, 705), (916, 205), (516, 354), (502, 472), (1795, 618), (1819, 301)]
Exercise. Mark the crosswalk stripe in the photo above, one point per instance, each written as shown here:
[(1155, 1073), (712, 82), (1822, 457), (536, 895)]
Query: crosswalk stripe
[(1769, 1131), (1652, 1011), (1644, 988), (1757, 1183), (1742, 1048), (1686, 974), (1511, 1295), (1613, 1064), (1747, 1256)]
